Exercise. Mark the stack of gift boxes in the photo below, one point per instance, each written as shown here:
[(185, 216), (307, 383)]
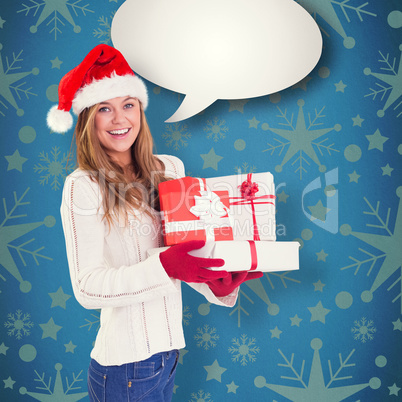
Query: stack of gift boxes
[(235, 215)]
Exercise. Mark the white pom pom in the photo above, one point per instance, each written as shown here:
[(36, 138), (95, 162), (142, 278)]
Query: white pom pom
[(59, 121)]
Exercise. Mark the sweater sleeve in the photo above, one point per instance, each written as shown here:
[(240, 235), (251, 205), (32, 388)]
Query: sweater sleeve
[(96, 284), (174, 167), (226, 301)]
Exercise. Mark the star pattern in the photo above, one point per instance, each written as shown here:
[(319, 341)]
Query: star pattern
[(211, 159), (325, 9), (301, 139), (8, 78), (232, 387), (183, 352), (9, 383), (393, 79), (376, 141), (15, 161), (3, 349), (340, 86), (394, 390), (58, 394), (388, 243), (214, 371), (253, 123), (282, 196), (315, 389), (357, 121), (318, 313), (51, 11), (318, 286), (397, 325), (59, 298), (321, 256), (318, 211), (70, 347), (275, 333), (50, 329), (56, 63), (387, 170), (354, 177), (295, 321), (237, 105), (10, 232)]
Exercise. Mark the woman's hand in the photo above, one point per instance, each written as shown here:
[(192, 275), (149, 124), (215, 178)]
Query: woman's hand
[(179, 264), (224, 286)]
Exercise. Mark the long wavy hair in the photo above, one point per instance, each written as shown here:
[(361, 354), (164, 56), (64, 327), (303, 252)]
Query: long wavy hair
[(119, 193)]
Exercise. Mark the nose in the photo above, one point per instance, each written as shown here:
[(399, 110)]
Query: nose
[(118, 116)]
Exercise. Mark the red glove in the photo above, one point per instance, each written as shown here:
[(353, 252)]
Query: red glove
[(224, 286), (179, 264)]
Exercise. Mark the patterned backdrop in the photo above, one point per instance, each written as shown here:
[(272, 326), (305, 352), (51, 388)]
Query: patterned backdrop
[(331, 331)]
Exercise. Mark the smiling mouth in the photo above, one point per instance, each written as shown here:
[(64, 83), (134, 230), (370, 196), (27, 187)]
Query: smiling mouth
[(119, 133)]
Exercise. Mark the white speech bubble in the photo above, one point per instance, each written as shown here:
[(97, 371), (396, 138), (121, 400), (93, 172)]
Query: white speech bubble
[(217, 49)]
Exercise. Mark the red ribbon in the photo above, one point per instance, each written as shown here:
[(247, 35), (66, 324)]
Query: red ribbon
[(253, 253), (248, 190)]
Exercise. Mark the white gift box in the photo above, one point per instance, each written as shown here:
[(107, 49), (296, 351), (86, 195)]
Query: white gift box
[(264, 256), (253, 217)]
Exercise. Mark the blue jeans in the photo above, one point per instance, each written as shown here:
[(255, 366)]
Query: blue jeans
[(150, 380)]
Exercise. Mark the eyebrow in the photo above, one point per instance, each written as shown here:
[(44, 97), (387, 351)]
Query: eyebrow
[(124, 100)]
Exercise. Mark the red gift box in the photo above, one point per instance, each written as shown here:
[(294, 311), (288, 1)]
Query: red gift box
[(192, 212)]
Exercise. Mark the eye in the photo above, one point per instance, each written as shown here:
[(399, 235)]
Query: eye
[(128, 105), (103, 109)]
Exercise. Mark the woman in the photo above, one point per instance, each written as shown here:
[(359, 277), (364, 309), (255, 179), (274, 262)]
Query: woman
[(113, 191)]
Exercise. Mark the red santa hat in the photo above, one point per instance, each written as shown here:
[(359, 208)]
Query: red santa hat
[(103, 74)]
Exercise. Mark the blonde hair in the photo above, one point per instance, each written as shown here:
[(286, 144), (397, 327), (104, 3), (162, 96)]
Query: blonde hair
[(119, 194)]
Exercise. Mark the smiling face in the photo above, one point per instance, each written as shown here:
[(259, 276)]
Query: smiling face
[(117, 124)]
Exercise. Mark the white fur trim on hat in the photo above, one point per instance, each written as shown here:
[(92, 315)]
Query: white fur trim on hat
[(108, 88), (59, 121)]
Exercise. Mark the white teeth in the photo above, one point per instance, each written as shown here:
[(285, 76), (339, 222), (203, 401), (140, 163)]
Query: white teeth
[(119, 132)]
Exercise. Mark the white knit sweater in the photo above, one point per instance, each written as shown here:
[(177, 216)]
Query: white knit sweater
[(141, 307)]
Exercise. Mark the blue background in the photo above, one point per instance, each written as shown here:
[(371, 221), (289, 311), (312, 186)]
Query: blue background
[(328, 332)]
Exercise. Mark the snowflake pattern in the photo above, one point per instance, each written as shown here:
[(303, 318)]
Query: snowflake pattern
[(206, 337), (52, 10), (244, 350), (186, 314), (316, 389), (363, 330), (216, 129), (94, 322), (391, 78), (54, 168), (58, 393), (104, 30), (9, 75), (389, 244), (201, 396), (300, 139), (258, 288), (176, 135), (19, 324), (10, 233), (245, 168), (326, 10)]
